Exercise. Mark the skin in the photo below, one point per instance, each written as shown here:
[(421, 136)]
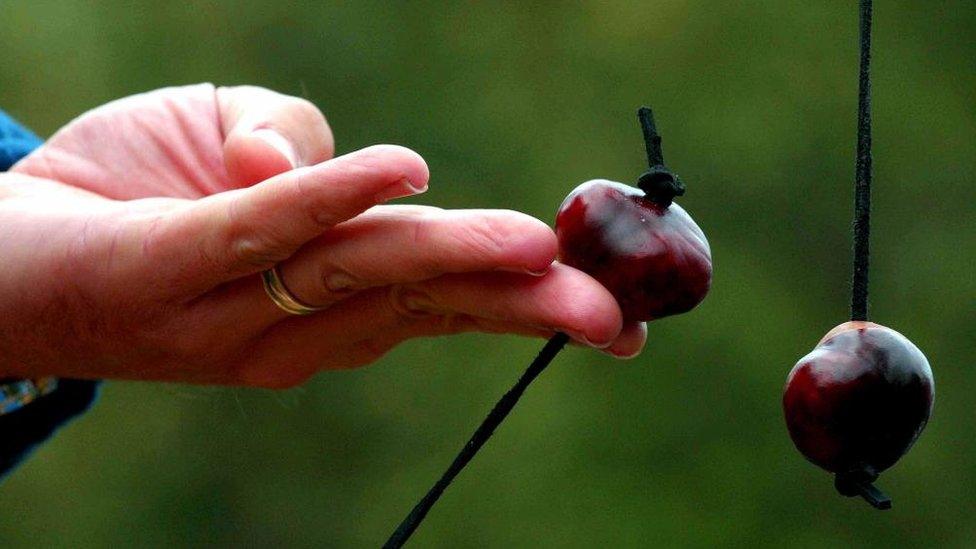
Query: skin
[(860, 399), (133, 241)]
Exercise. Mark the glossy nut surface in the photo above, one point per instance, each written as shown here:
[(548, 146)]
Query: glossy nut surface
[(860, 399), (656, 261)]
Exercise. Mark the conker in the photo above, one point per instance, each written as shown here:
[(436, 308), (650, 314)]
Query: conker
[(857, 403), (653, 258)]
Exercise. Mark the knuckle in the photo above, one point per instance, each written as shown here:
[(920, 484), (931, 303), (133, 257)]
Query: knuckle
[(421, 229), (409, 304), (487, 238), (260, 250), (307, 190), (333, 283), (254, 245)]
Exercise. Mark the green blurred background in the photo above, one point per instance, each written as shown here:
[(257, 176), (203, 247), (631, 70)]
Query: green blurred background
[(512, 106)]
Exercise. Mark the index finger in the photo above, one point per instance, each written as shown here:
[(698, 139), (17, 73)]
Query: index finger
[(235, 233)]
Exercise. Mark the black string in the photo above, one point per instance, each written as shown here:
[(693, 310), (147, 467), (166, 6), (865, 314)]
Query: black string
[(659, 183), (862, 180), (478, 439), (858, 482), (652, 141), (665, 186)]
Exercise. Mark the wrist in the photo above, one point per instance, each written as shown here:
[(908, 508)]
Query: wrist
[(33, 338)]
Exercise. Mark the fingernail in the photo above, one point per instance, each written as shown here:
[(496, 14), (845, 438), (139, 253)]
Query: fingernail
[(416, 188), (401, 188), (279, 143), (578, 336), (540, 272), (340, 281), (624, 356)]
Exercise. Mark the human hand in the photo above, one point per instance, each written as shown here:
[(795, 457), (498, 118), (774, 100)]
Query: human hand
[(139, 231)]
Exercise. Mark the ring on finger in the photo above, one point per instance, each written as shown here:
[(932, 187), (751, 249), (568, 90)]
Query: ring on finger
[(282, 297)]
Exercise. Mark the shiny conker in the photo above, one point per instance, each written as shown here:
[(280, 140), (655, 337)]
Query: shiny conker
[(653, 258), (858, 402)]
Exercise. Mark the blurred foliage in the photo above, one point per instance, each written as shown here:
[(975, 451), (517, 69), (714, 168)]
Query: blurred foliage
[(513, 104)]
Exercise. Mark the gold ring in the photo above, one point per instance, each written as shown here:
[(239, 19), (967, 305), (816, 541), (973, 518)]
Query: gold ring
[(282, 297)]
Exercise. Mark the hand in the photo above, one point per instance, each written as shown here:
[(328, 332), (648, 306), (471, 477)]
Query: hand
[(134, 239)]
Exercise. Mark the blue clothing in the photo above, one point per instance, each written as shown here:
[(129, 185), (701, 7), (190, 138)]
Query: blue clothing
[(25, 428), (16, 142)]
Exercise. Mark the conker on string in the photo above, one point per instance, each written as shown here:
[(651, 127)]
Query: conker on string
[(654, 259), (857, 403), (645, 249)]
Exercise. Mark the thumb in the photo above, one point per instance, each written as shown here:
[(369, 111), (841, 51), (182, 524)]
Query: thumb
[(268, 133)]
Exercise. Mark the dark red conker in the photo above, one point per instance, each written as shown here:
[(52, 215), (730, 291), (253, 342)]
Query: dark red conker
[(654, 259), (859, 400)]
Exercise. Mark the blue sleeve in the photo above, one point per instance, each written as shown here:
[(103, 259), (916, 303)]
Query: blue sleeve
[(25, 428), (15, 142)]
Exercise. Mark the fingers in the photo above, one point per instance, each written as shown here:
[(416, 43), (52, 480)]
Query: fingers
[(565, 300), (295, 349), (401, 244), (290, 356), (268, 133), (361, 329), (245, 231)]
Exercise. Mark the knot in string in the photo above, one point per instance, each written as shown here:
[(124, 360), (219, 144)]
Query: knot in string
[(659, 183)]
